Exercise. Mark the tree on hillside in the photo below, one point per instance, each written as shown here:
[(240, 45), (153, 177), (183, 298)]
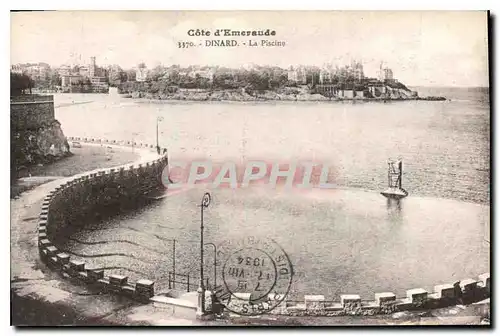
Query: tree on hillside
[(130, 75), (116, 75), (156, 73), (20, 84), (257, 81)]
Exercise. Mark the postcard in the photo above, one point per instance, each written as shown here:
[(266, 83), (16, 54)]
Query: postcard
[(250, 168)]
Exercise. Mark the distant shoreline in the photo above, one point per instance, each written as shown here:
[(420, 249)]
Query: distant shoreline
[(335, 100), (229, 95)]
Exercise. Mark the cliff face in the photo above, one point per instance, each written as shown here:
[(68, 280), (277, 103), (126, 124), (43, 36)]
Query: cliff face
[(42, 145), (398, 93)]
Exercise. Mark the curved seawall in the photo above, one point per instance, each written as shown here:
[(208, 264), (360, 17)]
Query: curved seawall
[(75, 201)]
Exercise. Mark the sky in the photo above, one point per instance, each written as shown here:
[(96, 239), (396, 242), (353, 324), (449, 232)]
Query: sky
[(423, 48)]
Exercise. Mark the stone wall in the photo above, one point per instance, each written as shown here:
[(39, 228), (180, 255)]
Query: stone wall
[(461, 292), (35, 135), (71, 202), (31, 111)]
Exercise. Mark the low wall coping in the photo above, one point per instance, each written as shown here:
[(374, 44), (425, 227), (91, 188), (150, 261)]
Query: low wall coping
[(116, 279), (415, 291), (349, 298), (314, 298), (467, 283), (384, 297), (416, 294), (241, 296), (439, 288), (484, 278), (45, 242), (145, 282), (445, 290), (173, 301)]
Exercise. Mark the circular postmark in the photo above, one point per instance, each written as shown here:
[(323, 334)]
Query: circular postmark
[(256, 275)]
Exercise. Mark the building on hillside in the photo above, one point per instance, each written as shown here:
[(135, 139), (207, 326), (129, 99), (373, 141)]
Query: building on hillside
[(325, 76), (69, 80), (298, 75), (141, 74), (385, 73), (64, 70), (99, 84), (17, 68), (35, 70), (208, 74), (98, 81), (357, 71), (83, 70), (92, 67)]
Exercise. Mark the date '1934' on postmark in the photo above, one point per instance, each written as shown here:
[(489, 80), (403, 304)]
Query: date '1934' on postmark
[(257, 274)]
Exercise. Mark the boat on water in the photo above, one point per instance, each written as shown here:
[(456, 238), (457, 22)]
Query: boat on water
[(395, 181)]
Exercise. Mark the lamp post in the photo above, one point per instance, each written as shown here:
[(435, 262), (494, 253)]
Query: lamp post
[(215, 263), (158, 119), (205, 202), (173, 263)]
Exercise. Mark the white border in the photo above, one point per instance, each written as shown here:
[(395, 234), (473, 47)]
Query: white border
[(186, 5), (257, 5)]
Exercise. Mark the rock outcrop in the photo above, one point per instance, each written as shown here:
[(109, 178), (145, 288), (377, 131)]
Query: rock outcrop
[(284, 94), (34, 146)]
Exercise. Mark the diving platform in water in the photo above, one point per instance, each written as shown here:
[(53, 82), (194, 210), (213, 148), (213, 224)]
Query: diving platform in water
[(394, 193), (395, 179)]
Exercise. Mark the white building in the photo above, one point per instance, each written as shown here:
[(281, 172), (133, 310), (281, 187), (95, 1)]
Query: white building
[(297, 75), (68, 80), (208, 74), (357, 71), (64, 70), (325, 76), (141, 74), (92, 67), (385, 73)]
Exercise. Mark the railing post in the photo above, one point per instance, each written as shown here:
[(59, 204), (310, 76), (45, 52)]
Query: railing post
[(169, 285), (188, 282), (173, 261)]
